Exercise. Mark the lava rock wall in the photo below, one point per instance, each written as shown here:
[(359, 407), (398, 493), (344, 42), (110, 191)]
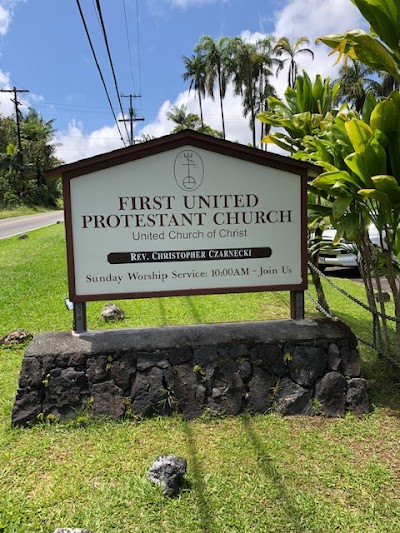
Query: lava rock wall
[(305, 367)]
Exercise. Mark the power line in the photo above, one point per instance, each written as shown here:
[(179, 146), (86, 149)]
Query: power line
[(129, 46), (98, 68), (138, 46), (110, 59)]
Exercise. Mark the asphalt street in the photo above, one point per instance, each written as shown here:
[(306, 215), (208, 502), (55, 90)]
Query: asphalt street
[(15, 226), (353, 274)]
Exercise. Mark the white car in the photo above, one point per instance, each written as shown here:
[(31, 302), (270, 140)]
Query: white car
[(344, 253)]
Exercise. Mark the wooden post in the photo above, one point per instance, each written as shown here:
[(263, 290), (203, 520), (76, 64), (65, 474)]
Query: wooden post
[(80, 321), (297, 305)]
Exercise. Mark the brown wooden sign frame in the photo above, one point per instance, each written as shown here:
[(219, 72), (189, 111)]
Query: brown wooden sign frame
[(84, 167)]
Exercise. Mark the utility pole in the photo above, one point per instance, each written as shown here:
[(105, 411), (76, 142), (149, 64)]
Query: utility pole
[(16, 103), (132, 115)]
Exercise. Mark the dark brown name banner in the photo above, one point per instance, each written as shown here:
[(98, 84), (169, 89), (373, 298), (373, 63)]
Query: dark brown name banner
[(119, 258)]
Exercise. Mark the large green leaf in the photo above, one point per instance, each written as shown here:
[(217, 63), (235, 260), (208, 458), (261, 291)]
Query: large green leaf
[(358, 44), (318, 90), (336, 179), (379, 196), (394, 153), (388, 185), (381, 138), (383, 17), (281, 140), (383, 117), (374, 54), (375, 158), (395, 97), (348, 226), (340, 206), (359, 134), (369, 105), (356, 164)]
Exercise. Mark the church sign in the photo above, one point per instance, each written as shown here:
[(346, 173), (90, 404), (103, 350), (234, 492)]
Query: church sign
[(184, 214)]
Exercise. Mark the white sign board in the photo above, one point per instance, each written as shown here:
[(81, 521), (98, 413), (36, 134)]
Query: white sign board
[(185, 220)]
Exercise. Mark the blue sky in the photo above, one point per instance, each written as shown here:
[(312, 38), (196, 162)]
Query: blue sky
[(43, 48)]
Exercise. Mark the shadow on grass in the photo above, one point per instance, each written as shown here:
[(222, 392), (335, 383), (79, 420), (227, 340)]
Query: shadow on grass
[(199, 485), (163, 314), (285, 499), (193, 309)]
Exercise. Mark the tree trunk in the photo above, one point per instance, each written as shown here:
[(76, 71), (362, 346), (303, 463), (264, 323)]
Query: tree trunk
[(201, 109), (253, 125), (221, 103), (318, 285)]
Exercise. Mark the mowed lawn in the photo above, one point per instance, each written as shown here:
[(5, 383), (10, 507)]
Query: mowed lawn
[(247, 473)]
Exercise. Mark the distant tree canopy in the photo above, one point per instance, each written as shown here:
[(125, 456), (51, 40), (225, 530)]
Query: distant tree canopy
[(22, 165)]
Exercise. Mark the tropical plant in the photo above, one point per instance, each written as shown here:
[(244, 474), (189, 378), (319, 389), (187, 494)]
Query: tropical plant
[(291, 49), (367, 186), (215, 57), (306, 109)]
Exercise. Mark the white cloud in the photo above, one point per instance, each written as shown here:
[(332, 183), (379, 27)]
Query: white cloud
[(5, 18), (7, 107), (314, 18), (6, 13), (74, 143)]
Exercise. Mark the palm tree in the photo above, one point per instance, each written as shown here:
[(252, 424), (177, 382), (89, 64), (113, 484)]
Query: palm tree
[(284, 47), (355, 85), (215, 56), (250, 68), (190, 121), (183, 120), (388, 84), (195, 72)]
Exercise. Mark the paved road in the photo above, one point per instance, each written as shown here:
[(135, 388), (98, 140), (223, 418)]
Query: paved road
[(17, 225), (353, 274)]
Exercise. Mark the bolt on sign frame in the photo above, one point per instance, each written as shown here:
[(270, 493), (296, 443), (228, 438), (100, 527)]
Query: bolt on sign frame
[(185, 214)]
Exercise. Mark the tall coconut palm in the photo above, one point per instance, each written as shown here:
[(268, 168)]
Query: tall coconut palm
[(266, 89), (215, 56), (285, 47), (250, 68), (195, 72)]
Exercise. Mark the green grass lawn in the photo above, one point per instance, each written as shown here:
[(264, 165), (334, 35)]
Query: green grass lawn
[(247, 473)]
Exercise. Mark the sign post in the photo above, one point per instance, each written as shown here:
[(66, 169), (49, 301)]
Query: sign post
[(80, 319), (297, 305)]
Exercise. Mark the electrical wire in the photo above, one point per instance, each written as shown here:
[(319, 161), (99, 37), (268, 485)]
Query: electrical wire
[(129, 47), (138, 47), (111, 61), (98, 68)]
